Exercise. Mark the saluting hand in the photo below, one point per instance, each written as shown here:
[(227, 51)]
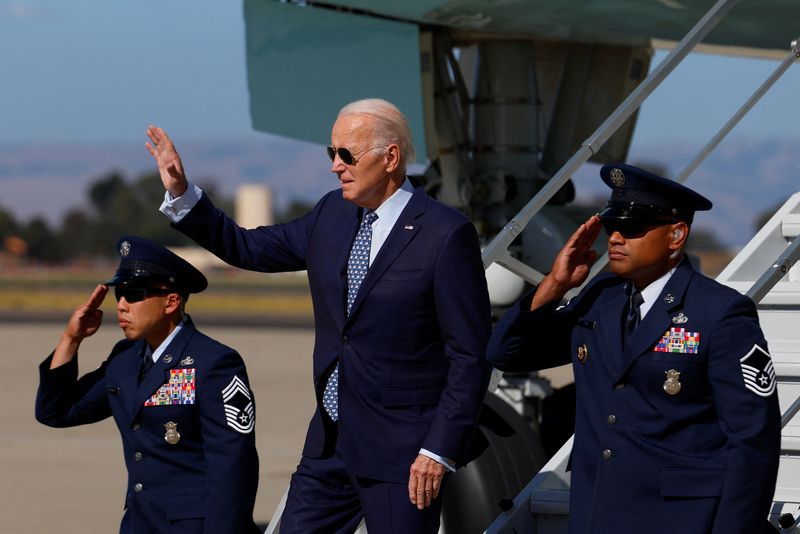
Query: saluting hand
[(572, 265), (425, 481), (86, 318), (169, 162), (84, 322)]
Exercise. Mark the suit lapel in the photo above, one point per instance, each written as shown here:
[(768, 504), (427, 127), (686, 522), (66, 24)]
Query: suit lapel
[(405, 229), (610, 326), (659, 319), (159, 373), (129, 376)]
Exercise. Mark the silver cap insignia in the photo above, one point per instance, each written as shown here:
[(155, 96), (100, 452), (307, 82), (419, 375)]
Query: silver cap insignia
[(617, 177)]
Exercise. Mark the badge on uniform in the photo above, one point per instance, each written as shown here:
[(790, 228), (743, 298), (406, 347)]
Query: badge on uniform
[(758, 372), (172, 436), (672, 385), (238, 404), (180, 389), (678, 340), (583, 352)]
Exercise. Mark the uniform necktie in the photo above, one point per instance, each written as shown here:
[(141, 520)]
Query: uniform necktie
[(357, 266), (147, 364), (633, 315)]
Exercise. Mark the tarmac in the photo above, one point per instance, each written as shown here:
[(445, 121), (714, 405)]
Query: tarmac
[(72, 481)]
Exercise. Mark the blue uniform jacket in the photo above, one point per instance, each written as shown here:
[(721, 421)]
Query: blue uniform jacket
[(205, 482), (412, 369), (696, 455)]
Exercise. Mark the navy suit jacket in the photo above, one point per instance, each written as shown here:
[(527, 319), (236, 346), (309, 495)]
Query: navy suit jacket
[(204, 483), (703, 459), (412, 368)]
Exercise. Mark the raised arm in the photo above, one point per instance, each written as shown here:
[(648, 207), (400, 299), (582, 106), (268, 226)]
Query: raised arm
[(168, 160), (572, 265), (84, 322)]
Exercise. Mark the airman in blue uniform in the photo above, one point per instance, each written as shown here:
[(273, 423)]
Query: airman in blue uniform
[(677, 423), (182, 401)]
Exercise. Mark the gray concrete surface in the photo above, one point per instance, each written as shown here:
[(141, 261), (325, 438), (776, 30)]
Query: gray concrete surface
[(72, 481)]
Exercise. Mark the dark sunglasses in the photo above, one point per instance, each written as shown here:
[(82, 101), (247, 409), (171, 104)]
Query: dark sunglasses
[(138, 294), (347, 157), (629, 229)]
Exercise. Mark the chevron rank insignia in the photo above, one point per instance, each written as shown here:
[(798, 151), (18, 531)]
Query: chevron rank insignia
[(758, 373), (180, 389), (239, 408), (678, 340)]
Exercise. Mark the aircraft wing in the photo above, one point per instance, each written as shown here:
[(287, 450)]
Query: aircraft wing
[(757, 24), (306, 59)]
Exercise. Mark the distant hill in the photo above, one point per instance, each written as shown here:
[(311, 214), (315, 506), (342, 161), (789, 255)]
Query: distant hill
[(743, 179), (47, 180)]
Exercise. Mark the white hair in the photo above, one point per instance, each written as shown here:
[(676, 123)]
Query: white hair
[(390, 125)]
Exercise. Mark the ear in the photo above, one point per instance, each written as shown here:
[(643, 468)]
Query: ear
[(680, 231), (173, 303), (392, 156)]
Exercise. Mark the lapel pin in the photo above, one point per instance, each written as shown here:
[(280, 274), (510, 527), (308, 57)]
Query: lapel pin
[(187, 361), (672, 385), (680, 319), (172, 436), (167, 358), (669, 298), (409, 227), (583, 352)]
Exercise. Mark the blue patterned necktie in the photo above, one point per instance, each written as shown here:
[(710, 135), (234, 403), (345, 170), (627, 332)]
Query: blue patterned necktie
[(357, 267)]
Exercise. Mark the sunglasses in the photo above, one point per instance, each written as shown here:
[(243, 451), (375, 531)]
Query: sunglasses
[(138, 294), (627, 228), (347, 157)]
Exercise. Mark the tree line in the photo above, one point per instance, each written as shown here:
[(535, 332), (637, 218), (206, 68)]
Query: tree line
[(116, 207), (119, 207)]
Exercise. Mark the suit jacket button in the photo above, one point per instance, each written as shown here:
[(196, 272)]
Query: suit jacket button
[(138, 487), (612, 419), (137, 456), (136, 426), (607, 454), (619, 386), (345, 340)]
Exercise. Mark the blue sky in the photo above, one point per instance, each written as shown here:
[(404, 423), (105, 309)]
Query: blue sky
[(94, 71)]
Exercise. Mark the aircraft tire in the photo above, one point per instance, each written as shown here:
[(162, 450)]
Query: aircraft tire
[(511, 454)]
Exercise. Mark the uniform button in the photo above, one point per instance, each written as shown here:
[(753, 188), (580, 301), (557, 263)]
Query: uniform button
[(612, 419), (619, 386), (138, 487), (607, 454), (138, 456), (136, 426), (345, 340)]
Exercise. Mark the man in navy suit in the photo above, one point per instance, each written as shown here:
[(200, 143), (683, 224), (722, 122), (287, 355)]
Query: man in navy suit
[(677, 426), (402, 319), (181, 400)]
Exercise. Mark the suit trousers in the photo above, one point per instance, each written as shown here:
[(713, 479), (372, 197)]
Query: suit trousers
[(323, 497)]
